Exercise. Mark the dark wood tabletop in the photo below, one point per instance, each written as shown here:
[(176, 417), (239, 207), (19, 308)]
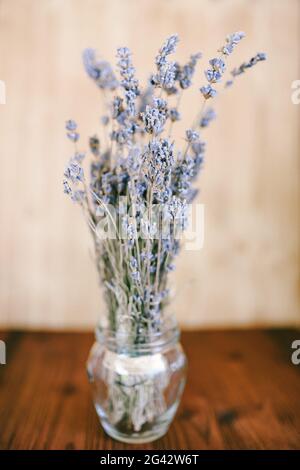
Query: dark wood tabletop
[(242, 392)]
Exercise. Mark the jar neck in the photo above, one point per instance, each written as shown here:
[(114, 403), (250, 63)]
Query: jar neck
[(134, 342)]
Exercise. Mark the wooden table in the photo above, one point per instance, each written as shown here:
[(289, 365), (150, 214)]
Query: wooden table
[(242, 392)]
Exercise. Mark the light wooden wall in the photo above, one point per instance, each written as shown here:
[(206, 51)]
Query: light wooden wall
[(247, 272)]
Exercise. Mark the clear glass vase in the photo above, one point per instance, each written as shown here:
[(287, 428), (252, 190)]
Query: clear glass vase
[(137, 385)]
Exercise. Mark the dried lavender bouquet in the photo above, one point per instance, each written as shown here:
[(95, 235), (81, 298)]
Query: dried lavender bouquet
[(135, 170)]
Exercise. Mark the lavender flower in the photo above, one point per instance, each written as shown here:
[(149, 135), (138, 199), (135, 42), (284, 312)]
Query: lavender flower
[(185, 74), (215, 72), (207, 117), (154, 118), (170, 267), (74, 172), (231, 41), (166, 71), (129, 230), (213, 76), (79, 157), (187, 170), (129, 82), (146, 256), (71, 127), (208, 91), (260, 56), (191, 135), (99, 70), (167, 48), (158, 160), (67, 187), (166, 76), (174, 114), (135, 274), (94, 145), (73, 136), (121, 136), (218, 65), (176, 207), (228, 83), (78, 196)]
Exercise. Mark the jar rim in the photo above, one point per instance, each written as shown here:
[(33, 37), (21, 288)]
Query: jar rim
[(167, 334)]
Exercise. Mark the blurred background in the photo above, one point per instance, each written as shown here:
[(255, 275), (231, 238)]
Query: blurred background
[(247, 273)]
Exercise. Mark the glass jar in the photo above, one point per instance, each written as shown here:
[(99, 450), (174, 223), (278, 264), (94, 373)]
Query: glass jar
[(137, 386)]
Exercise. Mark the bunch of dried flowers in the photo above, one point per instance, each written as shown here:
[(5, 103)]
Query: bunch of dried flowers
[(142, 165)]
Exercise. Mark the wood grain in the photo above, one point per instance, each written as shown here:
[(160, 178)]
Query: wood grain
[(248, 271), (242, 393)]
